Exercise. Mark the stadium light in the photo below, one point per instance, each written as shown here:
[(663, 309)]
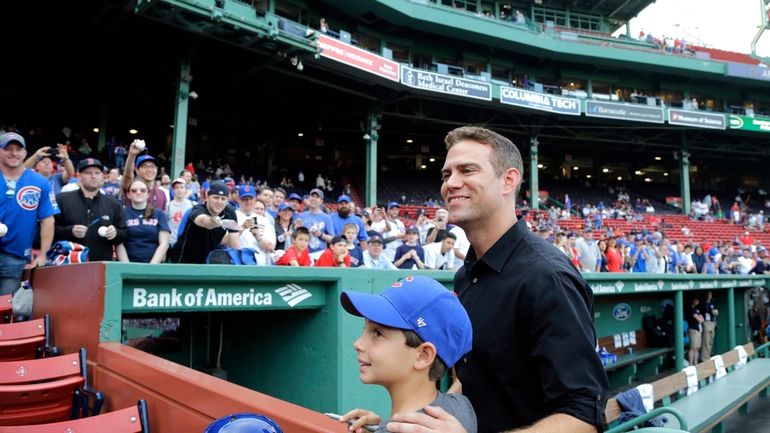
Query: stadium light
[(665, 174), (96, 130), (647, 179), (620, 177), (432, 160), (605, 170), (576, 168), (423, 166), (588, 176), (300, 134), (133, 131), (409, 140), (638, 172), (657, 158), (540, 166)]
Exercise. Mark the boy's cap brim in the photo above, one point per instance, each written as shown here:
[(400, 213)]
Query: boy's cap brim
[(373, 307)]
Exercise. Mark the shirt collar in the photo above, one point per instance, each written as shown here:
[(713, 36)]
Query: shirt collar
[(498, 255)]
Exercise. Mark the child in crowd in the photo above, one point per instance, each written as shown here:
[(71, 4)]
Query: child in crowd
[(350, 231), (413, 333), (336, 256), (297, 254)]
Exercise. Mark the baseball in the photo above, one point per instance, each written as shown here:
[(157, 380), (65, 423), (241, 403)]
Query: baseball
[(102, 231), (3, 229), (140, 145)]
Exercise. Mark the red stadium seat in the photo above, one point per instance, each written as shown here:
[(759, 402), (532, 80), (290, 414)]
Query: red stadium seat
[(6, 309), (129, 420), (25, 340), (46, 390)]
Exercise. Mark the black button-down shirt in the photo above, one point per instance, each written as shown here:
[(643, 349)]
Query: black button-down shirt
[(533, 336)]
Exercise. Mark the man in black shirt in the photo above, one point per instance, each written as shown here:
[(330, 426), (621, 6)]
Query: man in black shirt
[(205, 230), (533, 364), (89, 217)]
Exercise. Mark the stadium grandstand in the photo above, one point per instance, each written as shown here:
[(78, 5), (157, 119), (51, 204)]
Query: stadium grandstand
[(656, 142)]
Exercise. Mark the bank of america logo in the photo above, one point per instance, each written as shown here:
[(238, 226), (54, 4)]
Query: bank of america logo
[(293, 294)]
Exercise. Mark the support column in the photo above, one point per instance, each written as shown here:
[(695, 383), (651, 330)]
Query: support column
[(371, 158), (534, 191), (731, 318), (179, 139), (684, 177), (678, 331)]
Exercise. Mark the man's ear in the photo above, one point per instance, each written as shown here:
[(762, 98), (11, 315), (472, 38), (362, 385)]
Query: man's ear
[(426, 354), (511, 180)]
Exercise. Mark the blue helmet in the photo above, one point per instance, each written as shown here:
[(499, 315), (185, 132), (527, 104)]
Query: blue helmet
[(243, 423)]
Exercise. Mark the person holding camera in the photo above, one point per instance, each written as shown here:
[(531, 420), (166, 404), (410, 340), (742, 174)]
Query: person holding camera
[(256, 231), (43, 163)]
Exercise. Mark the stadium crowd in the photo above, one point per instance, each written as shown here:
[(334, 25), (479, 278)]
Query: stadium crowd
[(142, 215)]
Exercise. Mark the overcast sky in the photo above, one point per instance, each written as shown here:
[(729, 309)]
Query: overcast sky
[(728, 25)]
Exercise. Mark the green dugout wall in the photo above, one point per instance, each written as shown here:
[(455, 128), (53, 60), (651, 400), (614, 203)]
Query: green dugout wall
[(283, 331)]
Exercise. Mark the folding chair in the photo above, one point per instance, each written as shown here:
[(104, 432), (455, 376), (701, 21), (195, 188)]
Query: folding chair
[(46, 390), (26, 340), (129, 420)]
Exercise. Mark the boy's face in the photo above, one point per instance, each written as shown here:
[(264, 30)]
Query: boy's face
[(339, 248), (412, 237), (383, 356), (301, 241), (350, 234)]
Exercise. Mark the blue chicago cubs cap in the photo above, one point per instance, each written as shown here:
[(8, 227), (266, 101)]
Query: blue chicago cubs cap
[(12, 137), (284, 206), (342, 198), (142, 159), (244, 423), (420, 304), (246, 191), (394, 204), (295, 196)]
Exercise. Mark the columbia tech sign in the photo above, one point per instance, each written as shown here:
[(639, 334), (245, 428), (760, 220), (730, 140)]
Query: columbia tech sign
[(222, 297)]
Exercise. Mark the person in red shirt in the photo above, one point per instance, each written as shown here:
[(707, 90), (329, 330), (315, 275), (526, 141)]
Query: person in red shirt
[(297, 255), (614, 258), (336, 256)]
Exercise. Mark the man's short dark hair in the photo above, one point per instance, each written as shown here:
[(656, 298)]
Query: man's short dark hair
[(505, 154), (281, 190), (265, 188), (451, 235), (437, 369)]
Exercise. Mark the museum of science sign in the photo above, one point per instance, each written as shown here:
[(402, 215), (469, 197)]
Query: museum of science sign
[(446, 84), (539, 101)]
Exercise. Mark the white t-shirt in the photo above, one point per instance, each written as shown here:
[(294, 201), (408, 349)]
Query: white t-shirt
[(435, 260), (462, 244), (249, 241), (396, 228)]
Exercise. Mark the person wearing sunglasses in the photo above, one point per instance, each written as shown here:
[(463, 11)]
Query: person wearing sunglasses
[(148, 230)]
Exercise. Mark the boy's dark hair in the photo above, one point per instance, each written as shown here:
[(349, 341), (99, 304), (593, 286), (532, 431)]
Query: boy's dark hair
[(437, 369), (300, 231), (281, 190)]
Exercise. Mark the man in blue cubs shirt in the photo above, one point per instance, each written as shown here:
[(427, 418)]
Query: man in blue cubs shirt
[(25, 199)]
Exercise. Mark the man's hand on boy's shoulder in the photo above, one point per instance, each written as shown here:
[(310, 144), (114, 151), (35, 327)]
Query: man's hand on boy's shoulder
[(434, 420)]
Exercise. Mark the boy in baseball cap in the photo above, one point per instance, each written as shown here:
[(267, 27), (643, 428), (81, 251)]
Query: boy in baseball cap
[(414, 332)]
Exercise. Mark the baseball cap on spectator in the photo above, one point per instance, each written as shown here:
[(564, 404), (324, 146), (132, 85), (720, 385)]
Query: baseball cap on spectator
[(375, 238), (342, 198), (246, 191), (295, 196), (12, 137), (639, 237), (412, 230), (142, 159), (89, 162), (218, 188), (284, 206), (178, 180), (393, 204), (571, 235), (713, 251), (337, 239), (422, 305), (317, 192)]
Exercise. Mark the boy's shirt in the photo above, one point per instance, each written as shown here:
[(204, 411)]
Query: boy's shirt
[(291, 254), (456, 405), (410, 263), (327, 259)]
